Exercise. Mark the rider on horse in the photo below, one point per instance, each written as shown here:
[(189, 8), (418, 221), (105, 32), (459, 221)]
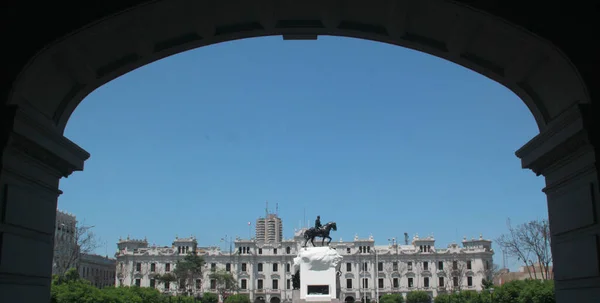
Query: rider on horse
[(318, 223)]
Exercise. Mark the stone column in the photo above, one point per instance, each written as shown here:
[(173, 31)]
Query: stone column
[(34, 156), (565, 154)]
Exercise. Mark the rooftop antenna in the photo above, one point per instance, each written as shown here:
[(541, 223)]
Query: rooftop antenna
[(267, 209), (277, 209), (304, 219)]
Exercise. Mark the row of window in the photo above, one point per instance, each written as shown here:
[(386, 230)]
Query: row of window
[(396, 282), (349, 283), (365, 267), (246, 250), (213, 267), (409, 265), (213, 284)]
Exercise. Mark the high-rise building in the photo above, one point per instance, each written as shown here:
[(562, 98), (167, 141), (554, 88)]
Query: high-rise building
[(269, 229), (65, 242)]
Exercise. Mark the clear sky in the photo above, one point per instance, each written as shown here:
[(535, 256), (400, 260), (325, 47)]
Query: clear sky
[(381, 139)]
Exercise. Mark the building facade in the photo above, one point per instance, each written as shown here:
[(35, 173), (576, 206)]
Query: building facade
[(99, 270), (65, 242), (263, 270)]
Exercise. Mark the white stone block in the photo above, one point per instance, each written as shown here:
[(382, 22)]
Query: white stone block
[(317, 273)]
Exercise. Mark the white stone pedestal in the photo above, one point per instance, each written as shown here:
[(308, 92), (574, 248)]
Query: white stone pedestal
[(317, 273)]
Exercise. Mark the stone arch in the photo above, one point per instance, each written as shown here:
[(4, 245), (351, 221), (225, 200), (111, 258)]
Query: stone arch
[(275, 299), (60, 76), (349, 299), (49, 87), (259, 299)]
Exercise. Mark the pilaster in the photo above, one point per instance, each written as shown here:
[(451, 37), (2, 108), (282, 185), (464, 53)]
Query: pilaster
[(565, 153), (33, 158)]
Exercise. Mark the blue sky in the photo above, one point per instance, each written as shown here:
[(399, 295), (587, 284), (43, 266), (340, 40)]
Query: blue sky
[(381, 139)]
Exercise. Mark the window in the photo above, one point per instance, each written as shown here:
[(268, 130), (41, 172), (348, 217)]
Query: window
[(243, 266), (275, 267), (349, 283), (396, 283), (365, 266), (138, 267), (288, 267), (198, 283), (395, 266), (228, 267), (425, 265), (380, 266), (243, 284), (440, 265), (469, 264), (274, 251), (288, 284), (409, 265), (120, 282), (288, 250), (167, 285), (454, 265), (260, 251), (455, 281), (152, 283), (259, 285), (259, 267), (380, 283), (213, 266), (275, 284), (441, 281), (168, 267), (138, 282), (470, 281), (348, 267), (348, 250), (487, 265), (365, 283), (426, 281), (213, 284), (410, 282)]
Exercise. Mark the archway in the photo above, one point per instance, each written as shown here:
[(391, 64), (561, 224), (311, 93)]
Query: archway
[(349, 299), (275, 300), (35, 155), (259, 300)]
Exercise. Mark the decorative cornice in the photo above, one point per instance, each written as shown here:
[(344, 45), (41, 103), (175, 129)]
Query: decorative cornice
[(563, 138), (34, 135)]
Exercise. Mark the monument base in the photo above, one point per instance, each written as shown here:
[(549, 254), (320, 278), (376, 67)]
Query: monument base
[(317, 274)]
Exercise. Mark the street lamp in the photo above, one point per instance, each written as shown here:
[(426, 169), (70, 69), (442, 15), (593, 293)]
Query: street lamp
[(492, 294), (230, 241)]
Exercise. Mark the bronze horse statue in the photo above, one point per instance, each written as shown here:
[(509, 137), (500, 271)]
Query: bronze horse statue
[(323, 232)]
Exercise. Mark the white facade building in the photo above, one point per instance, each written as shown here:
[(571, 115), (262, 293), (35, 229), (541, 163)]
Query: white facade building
[(264, 270)]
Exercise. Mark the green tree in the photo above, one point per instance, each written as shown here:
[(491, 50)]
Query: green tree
[(418, 296), (188, 270), (166, 278), (208, 297), (391, 298), (225, 282), (238, 298)]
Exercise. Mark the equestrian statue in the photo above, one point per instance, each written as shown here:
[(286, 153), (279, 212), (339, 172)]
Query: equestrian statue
[(319, 231)]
